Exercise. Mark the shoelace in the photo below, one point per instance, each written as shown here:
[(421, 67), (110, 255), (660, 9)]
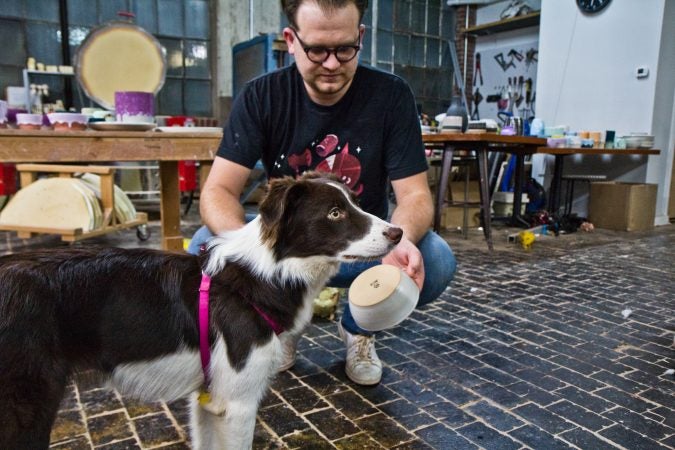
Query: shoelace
[(363, 347)]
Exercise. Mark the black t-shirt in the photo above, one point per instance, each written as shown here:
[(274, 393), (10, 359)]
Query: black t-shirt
[(372, 134)]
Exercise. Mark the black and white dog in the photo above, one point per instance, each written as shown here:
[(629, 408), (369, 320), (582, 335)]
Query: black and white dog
[(134, 314)]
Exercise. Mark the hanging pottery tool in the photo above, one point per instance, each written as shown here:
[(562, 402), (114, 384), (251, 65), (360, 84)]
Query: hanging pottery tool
[(520, 98), (531, 57), (477, 71), (477, 98)]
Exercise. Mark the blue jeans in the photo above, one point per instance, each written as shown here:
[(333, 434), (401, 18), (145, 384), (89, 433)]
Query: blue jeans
[(439, 270)]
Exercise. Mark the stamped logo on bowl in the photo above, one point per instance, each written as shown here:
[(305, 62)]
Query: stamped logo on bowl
[(374, 285)]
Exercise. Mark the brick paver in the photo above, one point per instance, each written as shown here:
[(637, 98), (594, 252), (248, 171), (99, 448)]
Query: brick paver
[(525, 350)]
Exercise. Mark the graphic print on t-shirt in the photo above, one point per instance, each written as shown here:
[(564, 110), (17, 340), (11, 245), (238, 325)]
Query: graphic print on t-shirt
[(328, 156)]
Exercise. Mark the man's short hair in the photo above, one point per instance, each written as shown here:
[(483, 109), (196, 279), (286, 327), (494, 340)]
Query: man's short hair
[(290, 7)]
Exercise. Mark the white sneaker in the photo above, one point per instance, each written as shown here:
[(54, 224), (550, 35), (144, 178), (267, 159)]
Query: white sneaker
[(363, 365), (289, 345)]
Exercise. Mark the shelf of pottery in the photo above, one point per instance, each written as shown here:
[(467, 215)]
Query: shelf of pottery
[(76, 202)]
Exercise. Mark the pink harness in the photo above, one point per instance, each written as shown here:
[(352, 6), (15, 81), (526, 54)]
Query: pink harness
[(204, 346)]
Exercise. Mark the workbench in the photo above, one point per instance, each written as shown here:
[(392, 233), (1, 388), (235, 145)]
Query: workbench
[(168, 148)]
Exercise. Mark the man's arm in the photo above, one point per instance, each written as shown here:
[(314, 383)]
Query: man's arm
[(414, 210), (219, 197), (413, 213)]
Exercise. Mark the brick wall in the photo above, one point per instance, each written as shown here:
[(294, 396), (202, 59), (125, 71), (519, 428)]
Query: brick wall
[(465, 46)]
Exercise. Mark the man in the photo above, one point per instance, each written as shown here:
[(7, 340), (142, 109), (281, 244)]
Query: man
[(328, 113)]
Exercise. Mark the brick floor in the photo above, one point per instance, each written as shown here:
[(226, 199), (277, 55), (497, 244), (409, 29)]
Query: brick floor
[(524, 350)]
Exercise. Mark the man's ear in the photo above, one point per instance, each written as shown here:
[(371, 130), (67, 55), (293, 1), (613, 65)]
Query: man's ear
[(289, 37)]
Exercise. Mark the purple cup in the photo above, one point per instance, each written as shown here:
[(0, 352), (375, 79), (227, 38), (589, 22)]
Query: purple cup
[(134, 107)]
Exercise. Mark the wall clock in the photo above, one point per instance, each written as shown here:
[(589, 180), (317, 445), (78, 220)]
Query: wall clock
[(592, 6)]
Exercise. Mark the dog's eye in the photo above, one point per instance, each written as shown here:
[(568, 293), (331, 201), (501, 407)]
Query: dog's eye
[(336, 214)]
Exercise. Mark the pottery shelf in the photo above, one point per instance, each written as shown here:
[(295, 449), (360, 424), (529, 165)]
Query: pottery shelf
[(514, 23), (29, 173)]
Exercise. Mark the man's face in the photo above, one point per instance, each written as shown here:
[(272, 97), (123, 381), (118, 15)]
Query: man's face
[(328, 81)]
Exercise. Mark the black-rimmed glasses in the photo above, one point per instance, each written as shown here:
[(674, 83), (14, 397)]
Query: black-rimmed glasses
[(319, 55)]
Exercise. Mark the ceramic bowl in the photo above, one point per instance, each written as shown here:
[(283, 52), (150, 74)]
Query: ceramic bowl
[(68, 121), (382, 297), (29, 121)]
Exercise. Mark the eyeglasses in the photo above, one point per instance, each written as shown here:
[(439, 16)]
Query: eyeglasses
[(319, 55)]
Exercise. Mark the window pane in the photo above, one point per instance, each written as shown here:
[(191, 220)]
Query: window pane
[(170, 20), (174, 57), (44, 43), (418, 16), (146, 14), (385, 14), (198, 98), (402, 13), (9, 76), (385, 46), (12, 51), (417, 45), (433, 18), (433, 52), (82, 12), (364, 54), (197, 19), (402, 49), (368, 16), (42, 10), (447, 23), (76, 35), (197, 59), (12, 8), (108, 10), (170, 98)]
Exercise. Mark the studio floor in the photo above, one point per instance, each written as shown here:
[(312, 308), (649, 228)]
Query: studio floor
[(568, 345)]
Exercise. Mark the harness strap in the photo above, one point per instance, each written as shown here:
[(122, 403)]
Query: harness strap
[(204, 347)]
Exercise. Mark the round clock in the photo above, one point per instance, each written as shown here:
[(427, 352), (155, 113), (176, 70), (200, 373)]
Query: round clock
[(592, 6)]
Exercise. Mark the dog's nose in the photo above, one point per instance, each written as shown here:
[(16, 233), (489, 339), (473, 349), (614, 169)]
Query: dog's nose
[(394, 234)]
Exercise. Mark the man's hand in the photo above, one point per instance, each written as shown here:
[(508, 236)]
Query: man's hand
[(407, 257)]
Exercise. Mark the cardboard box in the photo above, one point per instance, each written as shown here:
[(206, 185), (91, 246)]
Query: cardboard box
[(622, 206)]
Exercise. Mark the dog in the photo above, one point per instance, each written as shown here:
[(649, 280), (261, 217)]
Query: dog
[(134, 314)]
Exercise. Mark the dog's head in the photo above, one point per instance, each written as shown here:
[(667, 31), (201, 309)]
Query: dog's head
[(317, 215)]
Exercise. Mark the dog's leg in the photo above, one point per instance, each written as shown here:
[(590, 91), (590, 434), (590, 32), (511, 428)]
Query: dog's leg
[(232, 430), (28, 407), (208, 429)]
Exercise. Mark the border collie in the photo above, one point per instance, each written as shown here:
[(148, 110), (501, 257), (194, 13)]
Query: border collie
[(134, 314)]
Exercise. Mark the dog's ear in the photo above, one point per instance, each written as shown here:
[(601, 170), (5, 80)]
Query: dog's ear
[(313, 175), (281, 192)]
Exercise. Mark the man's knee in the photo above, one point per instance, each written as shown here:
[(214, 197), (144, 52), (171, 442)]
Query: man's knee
[(201, 236), (439, 266)]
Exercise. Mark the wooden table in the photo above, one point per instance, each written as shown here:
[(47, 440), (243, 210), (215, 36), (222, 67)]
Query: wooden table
[(520, 146), (561, 152), (41, 146)]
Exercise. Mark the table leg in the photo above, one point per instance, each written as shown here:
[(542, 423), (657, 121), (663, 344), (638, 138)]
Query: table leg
[(516, 218), (485, 195), (169, 206), (442, 188), (556, 185)]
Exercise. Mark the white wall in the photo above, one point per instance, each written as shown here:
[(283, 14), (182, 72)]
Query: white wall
[(586, 80)]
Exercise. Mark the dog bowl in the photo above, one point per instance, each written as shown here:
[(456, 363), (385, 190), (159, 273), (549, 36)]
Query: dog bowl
[(68, 121), (382, 297)]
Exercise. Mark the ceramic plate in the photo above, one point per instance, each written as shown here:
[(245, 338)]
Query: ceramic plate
[(190, 129), (121, 126), (119, 57)]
